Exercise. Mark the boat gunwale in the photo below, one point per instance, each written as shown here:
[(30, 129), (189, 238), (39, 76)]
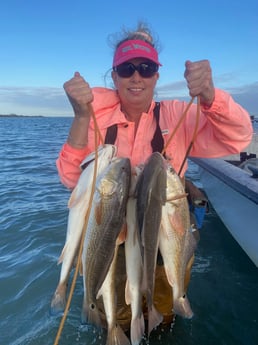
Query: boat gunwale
[(233, 176)]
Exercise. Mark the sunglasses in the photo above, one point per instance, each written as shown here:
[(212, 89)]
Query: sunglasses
[(145, 69)]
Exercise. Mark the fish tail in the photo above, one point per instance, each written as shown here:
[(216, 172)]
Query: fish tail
[(181, 307), (90, 315), (154, 319), (137, 330), (116, 336), (58, 301)]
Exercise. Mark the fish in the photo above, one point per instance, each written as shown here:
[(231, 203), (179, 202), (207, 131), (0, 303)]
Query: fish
[(177, 243), (106, 221), (78, 205), (134, 269), (151, 196), (115, 334)]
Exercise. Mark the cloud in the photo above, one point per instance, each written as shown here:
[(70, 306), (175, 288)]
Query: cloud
[(246, 95), (50, 101), (47, 101), (177, 89)]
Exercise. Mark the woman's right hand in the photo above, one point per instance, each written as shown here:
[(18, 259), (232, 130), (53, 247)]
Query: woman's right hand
[(80, 95)]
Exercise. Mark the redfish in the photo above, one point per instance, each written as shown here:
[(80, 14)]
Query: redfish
[(134, 270), (176, 241), (151, 196), (78, 205), (106, 220)]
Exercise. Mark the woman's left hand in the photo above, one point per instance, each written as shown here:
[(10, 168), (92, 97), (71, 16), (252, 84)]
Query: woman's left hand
[(199, 81)]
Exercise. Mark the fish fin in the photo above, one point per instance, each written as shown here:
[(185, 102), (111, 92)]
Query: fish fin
[(90, 315), (116, 336), (61, 257), (164, 229), (192, 247), (176, 223), (181, 306), (72, 198), (122, 235), (99, 293), (98, 212), (137, 330), (154, 319), (58, 301), (169, 276), (75, 197)]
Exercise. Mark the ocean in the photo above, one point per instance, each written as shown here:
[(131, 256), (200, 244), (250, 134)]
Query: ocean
[(223, 290)]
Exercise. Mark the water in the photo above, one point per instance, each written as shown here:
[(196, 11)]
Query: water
[(33, 215)]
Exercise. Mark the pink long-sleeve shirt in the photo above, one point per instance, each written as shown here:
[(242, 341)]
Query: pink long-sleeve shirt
[(224, 128)]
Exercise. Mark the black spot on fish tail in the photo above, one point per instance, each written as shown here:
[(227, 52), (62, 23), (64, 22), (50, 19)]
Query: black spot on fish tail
[(90, 315), (181, 307)]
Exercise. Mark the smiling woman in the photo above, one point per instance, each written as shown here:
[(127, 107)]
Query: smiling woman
[(138, 124), (132, 104)]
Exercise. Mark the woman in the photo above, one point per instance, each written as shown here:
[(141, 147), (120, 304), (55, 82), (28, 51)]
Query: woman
[(224, 126)]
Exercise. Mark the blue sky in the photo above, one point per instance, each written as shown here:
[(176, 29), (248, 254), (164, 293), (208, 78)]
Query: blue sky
[(44, 42)]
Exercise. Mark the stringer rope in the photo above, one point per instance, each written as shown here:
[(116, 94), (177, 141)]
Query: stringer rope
[(194, 135), (69, 299), (177, 126)]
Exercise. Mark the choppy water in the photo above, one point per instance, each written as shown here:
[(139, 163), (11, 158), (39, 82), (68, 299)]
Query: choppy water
[(33, 214)]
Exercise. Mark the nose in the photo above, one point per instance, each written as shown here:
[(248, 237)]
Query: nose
[(136, 76)]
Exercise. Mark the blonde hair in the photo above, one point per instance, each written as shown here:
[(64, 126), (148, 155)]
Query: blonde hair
[(141, 32)]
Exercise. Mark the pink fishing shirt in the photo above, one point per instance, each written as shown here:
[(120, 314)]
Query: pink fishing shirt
[(224, 128)]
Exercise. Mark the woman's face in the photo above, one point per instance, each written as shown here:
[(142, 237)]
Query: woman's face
[(135, 90)]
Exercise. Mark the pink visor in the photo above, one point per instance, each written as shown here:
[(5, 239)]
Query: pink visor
[(135, 49)]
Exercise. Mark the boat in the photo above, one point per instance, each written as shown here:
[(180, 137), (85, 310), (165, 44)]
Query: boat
[(231, 186)]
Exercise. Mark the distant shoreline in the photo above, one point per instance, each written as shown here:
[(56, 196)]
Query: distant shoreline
[(32, 116), (14, 115)]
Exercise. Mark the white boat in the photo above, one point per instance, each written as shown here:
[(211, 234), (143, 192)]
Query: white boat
[(233, 193)]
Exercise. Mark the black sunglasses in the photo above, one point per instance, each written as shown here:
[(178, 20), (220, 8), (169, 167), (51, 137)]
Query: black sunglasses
[(145, 69)]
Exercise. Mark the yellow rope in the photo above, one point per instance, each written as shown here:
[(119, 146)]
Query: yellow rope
[(96, 129), (177, 126), (69, 299), (194, 135)]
